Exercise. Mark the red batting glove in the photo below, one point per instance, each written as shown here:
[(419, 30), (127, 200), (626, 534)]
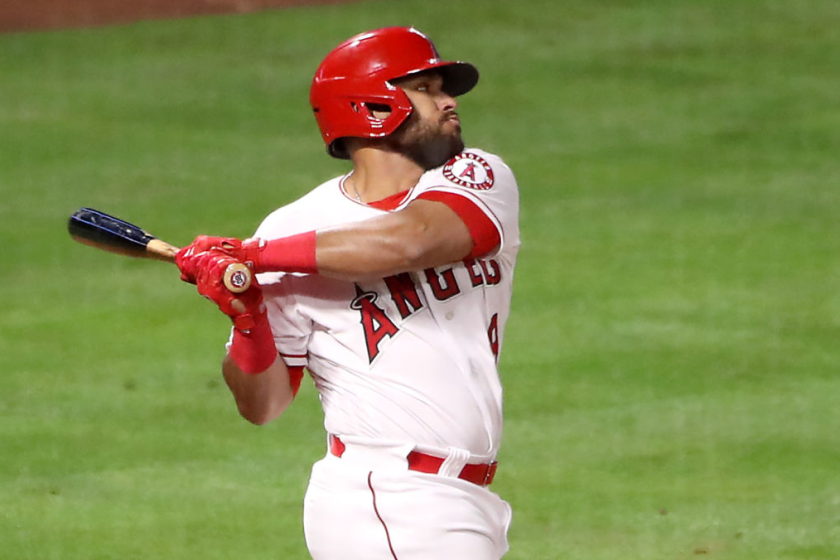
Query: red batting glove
[(201, 244), (296, 253), (253, 348), (249, 252), (210, 267)]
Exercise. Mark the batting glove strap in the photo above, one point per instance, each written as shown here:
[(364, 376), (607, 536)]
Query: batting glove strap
[(244, 322)]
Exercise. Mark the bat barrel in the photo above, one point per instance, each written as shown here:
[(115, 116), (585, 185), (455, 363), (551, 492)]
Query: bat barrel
[(106, 232)]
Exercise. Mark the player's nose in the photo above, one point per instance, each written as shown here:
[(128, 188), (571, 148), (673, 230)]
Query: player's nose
[(446, 102)]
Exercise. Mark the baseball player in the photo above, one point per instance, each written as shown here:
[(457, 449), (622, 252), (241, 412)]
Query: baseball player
[(391, 285)]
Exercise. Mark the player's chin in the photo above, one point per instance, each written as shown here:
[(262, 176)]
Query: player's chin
[(431, 148), (445, 148), (449, 134), (456, 144)]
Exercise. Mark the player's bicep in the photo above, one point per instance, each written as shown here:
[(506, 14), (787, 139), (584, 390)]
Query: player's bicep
[(441, 236), (484, 233)]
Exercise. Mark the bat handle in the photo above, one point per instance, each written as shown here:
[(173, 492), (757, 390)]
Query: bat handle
[(237, 278)]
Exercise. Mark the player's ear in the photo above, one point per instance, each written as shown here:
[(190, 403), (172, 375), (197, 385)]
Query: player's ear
[(378, 111)]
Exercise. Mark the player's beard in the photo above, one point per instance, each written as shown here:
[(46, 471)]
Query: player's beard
[(427, 143)]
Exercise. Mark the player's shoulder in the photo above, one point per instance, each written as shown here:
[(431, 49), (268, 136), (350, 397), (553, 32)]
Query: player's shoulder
[(296, 216), (491, 158), (474, 169)]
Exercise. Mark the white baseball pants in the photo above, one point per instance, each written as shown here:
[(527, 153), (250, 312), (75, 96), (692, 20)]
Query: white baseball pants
[(367, 505)]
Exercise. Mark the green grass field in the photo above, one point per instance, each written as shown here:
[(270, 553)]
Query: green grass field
[(672, 361)]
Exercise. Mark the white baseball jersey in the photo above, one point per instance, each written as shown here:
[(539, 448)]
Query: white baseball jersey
[(409, 358)]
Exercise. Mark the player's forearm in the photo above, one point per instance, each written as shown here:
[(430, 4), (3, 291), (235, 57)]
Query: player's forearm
[(378, 248), (263, 397), (425, 234)]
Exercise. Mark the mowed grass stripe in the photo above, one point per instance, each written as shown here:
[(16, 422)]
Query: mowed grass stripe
[(671, 359)]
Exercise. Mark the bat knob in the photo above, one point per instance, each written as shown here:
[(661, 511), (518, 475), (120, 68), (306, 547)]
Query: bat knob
[(237, 278)]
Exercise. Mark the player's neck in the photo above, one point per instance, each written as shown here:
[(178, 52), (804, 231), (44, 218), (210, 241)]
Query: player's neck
[(378, 174)]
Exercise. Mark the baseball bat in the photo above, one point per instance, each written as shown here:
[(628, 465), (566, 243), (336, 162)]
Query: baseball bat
[(105, 232)]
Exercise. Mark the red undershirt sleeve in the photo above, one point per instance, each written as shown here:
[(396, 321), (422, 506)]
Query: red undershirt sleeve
[(295, 377), (484, 233)]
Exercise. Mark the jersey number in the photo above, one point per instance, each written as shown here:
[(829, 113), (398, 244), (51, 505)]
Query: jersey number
[(493, 335)]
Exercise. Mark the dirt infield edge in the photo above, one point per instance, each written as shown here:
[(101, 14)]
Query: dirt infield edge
[(31, 15)]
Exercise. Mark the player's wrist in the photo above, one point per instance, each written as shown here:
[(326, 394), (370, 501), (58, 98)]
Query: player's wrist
[(250, 252), (252, 349), (295, 253)]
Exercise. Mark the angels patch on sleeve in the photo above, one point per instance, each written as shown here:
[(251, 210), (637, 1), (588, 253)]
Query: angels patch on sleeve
[(469, 170)]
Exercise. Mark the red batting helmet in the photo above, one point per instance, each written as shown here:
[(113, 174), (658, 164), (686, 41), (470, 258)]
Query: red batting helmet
[(356, 75)]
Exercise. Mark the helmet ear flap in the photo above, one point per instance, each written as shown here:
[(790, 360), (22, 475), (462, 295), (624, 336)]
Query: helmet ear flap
[(354, 116)]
